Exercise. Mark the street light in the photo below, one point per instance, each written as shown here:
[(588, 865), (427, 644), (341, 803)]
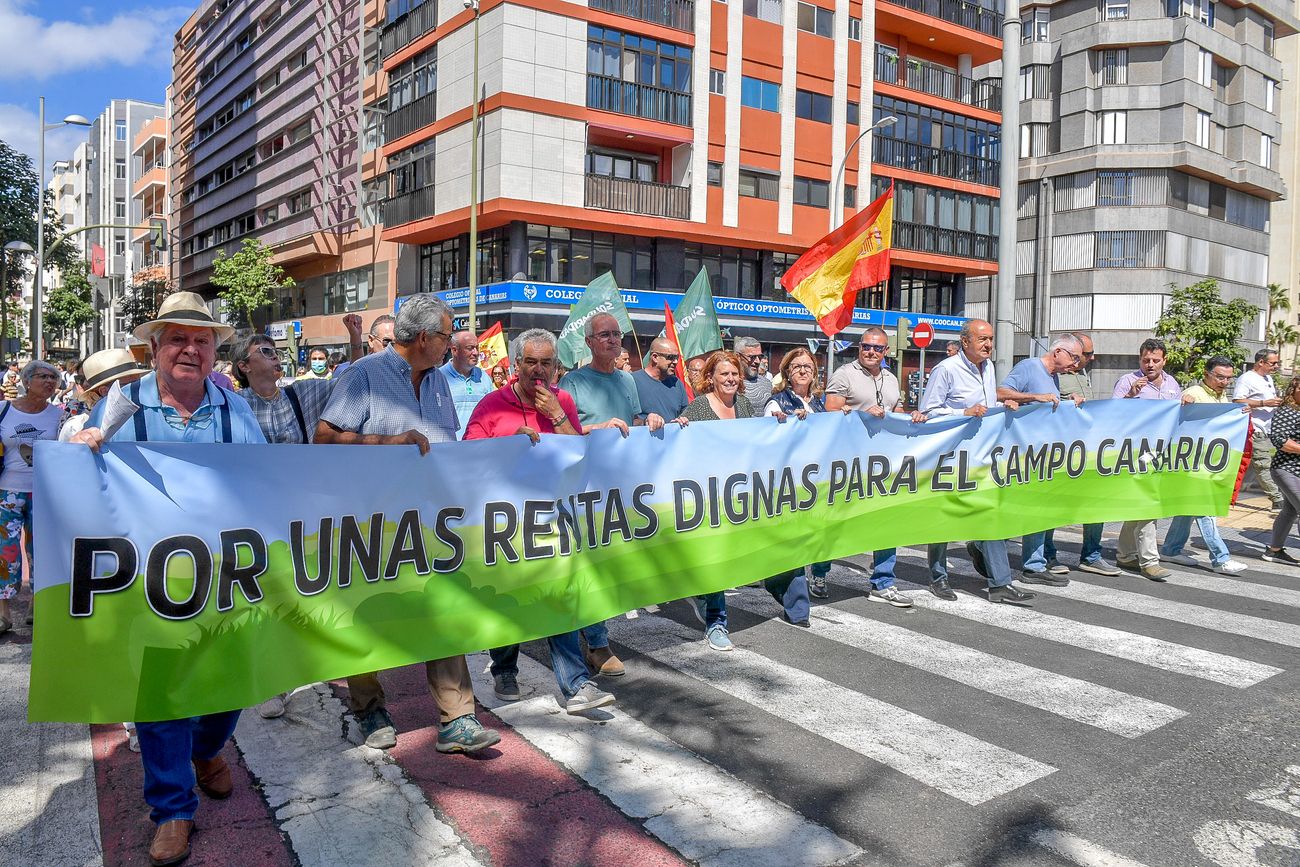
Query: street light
[(837, 206), (38, 344), (473, 178), (19, 247)]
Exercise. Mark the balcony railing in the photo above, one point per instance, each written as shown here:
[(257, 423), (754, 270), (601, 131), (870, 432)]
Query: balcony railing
[(638, 197), (925, 238), (937, 81), (408, 207), (410, 117), (678, 14), (643, 100), (408, 28), (969, 15), (934, 161)]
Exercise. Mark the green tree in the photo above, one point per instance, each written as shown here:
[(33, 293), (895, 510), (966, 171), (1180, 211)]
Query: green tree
[(248, 280), (1281, 334), (1197, 324), (1278, 299), (140, 301), (18, 199), (70, 306)]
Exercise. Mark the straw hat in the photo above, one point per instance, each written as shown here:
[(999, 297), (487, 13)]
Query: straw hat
[(109, 365), (184, 308)]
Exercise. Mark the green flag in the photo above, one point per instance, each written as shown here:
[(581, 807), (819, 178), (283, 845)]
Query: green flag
[(600, 296), (697, 319)]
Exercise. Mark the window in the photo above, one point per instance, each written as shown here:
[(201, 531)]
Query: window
[(812, 106), (1115, 10), (970, 147), (616, 61), (756, 93), (1201, 10), (850, 197), (1203, 125), (1129, 249), (298, 61), (1113, 127), (298, 202), (411, 170), (1112, 66), (300, 132), (1222, 77), (562, 255), (852, 114), (1268, 39), (717, 81), (715, 175), (269, 83), (119, 130), (119, 246), (808, 191), (1036, 82), (119, 209), (1204, 68), (1270, 94), (815, 19), (1266, 151), (733, 272), (1034, 24), (414, 79), (347, 292), (766, 10), (1034, 139), (269, 215), (119, 169), (758, 184), (1218, 138), (855, 29), (614, 165), (1114, 189)]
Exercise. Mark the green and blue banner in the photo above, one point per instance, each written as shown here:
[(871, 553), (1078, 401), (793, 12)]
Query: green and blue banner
[(175, 580)]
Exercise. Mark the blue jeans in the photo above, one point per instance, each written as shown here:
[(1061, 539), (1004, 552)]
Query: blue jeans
[(936, 556), (566, 661), (166, 749), (715, 610), (1090, 552), (882, 568), (1180, 529), (791, 590), (995, 560), (597, 635)]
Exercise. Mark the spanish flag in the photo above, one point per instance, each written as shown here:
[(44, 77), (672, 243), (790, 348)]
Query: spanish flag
[(492, 350), (827, 277)]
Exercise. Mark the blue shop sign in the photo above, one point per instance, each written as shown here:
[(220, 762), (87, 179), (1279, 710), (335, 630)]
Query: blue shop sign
[(561, 294)]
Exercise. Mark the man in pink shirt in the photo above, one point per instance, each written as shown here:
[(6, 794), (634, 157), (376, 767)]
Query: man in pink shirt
[(528, 404)]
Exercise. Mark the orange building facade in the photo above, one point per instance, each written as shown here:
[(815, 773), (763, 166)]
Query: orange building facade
[(658, 138)]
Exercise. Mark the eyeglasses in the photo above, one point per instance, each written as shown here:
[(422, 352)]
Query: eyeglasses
[(268, 351), (875, 347), (1073, 357), (608, 335), (445, 335), (795, 367), (44, 376), (387, 341)]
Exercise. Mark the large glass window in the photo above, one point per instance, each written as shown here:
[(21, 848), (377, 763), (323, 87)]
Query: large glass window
[(733, 272), (411, 169), (936, 128), (812, 106), (1112, 127), (809, 191), (347, 292), (638, 59), (757, 93), (758, 184), (560, 255), (415, 78), (616, 165), (767, 10), (815, 19)]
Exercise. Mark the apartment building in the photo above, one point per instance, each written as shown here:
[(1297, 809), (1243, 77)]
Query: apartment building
[(1149, 158), (265, 131), (150, 202), (68, 182), (1284, 247), (658, 138)]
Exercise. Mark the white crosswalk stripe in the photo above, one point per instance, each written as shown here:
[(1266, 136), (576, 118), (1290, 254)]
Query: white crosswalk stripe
[(1153, 652), (1069, 697), (955, 763), (1282, 794), (1234, 587), (690, 804), (1079, 850)]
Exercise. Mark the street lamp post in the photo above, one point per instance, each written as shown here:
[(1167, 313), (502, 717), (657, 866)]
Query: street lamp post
[(38, 342), (12, 247), (473, 178)]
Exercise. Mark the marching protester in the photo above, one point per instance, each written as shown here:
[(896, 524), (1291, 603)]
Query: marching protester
[(179, 403), (695, 371), (965, 384), (1035, 380), (466, 379), (758, 385), (531, 406), (101, 370), (318, 362), (800, 397), (606, 397), (865, 385), (1213, 388), (1137, 539), (23, 421), (1076, 385), (1284, 436), (657, 385), (399, 397), (1255, 388)]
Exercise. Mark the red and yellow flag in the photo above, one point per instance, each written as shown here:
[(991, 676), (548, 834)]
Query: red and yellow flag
[(670, 331), (827, 277), (492, 351)]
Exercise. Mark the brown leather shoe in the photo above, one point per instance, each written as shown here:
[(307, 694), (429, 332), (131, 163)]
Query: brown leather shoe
[(171, 843), (213, 776), (603, 661)]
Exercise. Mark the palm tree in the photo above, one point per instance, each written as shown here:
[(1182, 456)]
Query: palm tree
[(1281, 334), (1278, 299)]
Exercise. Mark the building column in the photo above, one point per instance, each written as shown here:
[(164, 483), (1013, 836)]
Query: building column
[(516, 249)]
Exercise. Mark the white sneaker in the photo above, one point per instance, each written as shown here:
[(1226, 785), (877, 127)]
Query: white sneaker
[(1181, 559), (1230, 567)]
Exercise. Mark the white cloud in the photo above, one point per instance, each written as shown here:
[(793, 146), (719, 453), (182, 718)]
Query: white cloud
[(34, 48), (18, 130)]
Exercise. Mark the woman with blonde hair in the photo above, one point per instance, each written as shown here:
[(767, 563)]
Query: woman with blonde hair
[(1284, 432)]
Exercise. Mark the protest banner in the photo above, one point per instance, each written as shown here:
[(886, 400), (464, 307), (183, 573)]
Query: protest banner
[(176, 580)]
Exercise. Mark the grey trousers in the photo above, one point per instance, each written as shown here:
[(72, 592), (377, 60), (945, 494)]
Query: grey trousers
[(1261, 461), (1289, 483)]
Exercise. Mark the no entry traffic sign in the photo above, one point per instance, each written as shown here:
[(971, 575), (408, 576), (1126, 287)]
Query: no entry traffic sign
[(922, 334)]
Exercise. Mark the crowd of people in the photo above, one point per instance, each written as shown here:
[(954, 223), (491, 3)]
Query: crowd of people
[(411, 380)]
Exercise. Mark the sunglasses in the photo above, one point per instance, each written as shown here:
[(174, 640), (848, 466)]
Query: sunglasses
[(387, 341), (875, 347), (268, 352), (673, 358)]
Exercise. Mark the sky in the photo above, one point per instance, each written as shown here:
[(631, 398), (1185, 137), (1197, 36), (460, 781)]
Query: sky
[(79, 56)]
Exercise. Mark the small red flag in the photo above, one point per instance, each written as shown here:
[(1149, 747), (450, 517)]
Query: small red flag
[(670, 331), (97, 266)]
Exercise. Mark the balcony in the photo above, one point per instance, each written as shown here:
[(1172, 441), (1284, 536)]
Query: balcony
[(934, 161), (407, 208), (410, 27), (638, 197), (938, 81), (924, 238), (677, 14), (963, 14), (410, 117), (642, 100)]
